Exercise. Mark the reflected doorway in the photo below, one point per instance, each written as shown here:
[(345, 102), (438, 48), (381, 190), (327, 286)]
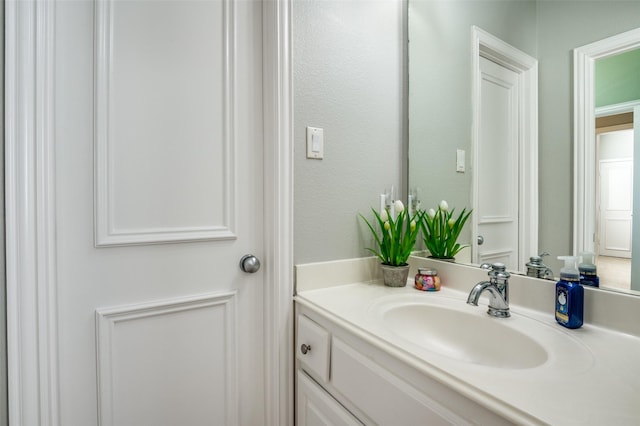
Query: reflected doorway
[(614, 200)]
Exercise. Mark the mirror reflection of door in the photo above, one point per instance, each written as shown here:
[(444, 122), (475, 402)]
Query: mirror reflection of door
[(497, 169), (614, 197), (616, 92), (505, 153)]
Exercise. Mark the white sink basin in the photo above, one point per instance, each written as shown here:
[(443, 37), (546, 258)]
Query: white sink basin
[(465, 337), (460, 332)]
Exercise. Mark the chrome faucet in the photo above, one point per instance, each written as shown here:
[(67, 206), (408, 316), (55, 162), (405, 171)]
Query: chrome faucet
[(498, 288), (537, 269)]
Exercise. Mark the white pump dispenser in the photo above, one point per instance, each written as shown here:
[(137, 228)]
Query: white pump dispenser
[(570, 269)]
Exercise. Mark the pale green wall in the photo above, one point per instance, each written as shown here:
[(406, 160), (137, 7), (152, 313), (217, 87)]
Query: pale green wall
[(440, 87), (617, 79), (348, 79)]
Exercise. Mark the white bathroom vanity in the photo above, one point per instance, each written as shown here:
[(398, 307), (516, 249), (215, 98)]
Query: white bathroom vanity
[(370, 354)]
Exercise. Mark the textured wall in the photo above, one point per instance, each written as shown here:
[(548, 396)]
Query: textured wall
[(348, 79)]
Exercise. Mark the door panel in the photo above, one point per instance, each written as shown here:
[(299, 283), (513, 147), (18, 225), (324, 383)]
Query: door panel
[(616, 205), (497, 174), (150, 333), (163, 100)]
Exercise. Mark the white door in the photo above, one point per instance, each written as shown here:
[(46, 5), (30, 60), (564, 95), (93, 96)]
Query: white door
[(496, 200), (158, 146), (615, 208)]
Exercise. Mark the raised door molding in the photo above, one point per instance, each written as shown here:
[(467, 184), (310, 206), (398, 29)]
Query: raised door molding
[(147, 89), (135, 343)]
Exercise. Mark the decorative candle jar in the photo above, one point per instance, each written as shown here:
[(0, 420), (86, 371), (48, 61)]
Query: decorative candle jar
[(427, 279)]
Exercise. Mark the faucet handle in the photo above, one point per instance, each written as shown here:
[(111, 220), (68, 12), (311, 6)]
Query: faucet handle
[(498, 266), (499, 271), (494, 267)]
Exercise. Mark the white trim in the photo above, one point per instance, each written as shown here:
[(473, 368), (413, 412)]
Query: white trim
[(491, 47), (584, 131), (30, 214), (620, 108), (278, 220), (107, 232)]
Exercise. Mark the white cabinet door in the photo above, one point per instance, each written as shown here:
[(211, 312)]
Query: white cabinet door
[(158, 120), (315, 407)]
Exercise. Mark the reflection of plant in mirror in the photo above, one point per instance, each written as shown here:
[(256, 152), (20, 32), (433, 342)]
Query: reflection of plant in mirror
[(397, 237), (440, 231)]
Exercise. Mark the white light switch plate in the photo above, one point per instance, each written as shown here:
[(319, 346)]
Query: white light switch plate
[(460, 160), (315, 143)]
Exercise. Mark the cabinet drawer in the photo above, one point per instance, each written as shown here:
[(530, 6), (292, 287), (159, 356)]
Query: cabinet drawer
[(315, 407), (312, 347), (387, 399)]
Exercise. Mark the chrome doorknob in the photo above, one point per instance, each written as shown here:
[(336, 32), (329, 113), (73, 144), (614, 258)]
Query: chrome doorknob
[(249, 263), (480, 240)]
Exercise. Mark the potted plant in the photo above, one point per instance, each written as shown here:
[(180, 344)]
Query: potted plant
[(395, 241), (440, 231)]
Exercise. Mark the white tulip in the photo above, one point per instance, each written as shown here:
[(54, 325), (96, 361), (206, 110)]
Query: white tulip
[(444, 206), (384, 216), (399, 206), (431, 213)]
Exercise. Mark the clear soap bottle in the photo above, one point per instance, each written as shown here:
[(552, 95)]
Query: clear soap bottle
[(569, 294)]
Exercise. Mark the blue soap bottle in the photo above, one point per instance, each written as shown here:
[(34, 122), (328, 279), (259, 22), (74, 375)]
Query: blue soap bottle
[(588, 272), (569, 294)]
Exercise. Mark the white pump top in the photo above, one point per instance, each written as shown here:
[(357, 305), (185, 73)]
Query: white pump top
[(570, 269)]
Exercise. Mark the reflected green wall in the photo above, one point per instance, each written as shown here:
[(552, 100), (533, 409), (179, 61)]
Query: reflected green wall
[(617, 79)]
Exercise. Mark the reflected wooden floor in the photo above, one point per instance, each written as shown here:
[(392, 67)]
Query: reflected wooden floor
[(614, 272)]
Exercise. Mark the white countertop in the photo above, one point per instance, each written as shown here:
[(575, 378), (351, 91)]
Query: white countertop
[(592, 375)]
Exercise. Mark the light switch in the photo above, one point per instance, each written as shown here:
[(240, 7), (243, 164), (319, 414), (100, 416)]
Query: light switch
[(460, 160), (315, 143)]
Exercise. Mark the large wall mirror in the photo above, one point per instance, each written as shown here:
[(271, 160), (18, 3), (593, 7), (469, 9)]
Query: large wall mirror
[(441, 111)]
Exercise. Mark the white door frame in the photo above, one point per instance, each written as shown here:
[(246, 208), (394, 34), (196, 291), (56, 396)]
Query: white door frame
[(490, 47), (30, 213), (584, 155)]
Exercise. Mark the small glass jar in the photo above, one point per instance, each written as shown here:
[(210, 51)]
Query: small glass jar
[(427, 279)]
